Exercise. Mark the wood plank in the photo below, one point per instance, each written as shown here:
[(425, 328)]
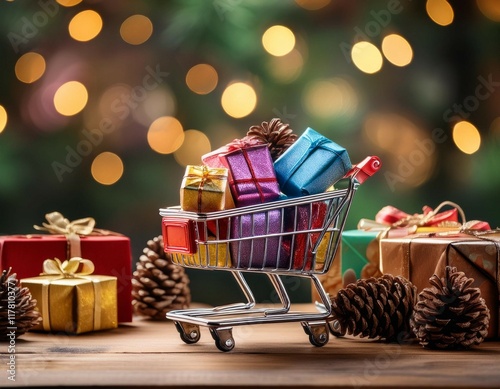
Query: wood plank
[(148, 354)]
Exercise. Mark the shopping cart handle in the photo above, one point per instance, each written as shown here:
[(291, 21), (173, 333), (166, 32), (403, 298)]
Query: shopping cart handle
[(365, 169)]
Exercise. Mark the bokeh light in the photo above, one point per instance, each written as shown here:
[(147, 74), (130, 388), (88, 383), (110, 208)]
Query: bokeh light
[(367, 57), (107, 168), (195, 144), (136, 29), (113, 102), (85, 26), (466, 137), (278, 40), (70, 98), (397, 50), (159, 102), (495, 127), (286, 68), (69, 3), (440, 11), (330, 98), (239, 100), (202, 78), (490, 9), (30, 67), (165, 135), (410, 154), (3, 118), (312, 5)]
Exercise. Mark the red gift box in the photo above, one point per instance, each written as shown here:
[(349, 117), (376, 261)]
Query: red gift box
[(303, 218), (111, 256)]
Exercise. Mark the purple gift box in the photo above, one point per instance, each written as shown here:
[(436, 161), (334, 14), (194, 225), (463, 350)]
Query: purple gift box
[(252, 178), (265, 252)]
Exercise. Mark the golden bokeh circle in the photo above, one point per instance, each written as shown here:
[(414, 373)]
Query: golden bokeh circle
[(30, 67), (107, 168)]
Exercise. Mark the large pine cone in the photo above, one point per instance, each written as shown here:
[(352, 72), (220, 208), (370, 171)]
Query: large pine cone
[(450, 314), (375, 308), (17, 307), (158, 285), (277, 135)]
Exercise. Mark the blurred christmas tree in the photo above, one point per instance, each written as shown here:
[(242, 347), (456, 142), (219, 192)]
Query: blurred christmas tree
[(103, 104)]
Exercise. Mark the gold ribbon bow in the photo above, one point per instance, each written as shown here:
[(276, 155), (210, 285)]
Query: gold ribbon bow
[(73, 268), (58, 224)]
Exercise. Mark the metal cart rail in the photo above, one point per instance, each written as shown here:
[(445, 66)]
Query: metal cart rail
[(291, 237)]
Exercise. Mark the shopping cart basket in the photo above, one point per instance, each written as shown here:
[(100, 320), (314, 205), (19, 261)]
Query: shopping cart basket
[(290, 237)]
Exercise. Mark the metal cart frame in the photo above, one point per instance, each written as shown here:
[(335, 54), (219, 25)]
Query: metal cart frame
[(232, 247)]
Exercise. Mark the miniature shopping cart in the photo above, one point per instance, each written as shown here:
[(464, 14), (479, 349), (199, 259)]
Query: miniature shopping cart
[(290, 237)]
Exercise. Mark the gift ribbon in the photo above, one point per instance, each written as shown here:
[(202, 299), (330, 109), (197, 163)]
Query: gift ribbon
[(314, 144), (240, 144), (72, 230), (253, 179), (409, 224), (484, 235), (75, 267), (204, 178), (406, 270), (427, 217)]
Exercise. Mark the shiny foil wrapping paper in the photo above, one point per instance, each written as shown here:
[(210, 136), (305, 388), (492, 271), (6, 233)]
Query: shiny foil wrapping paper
[(300, 246), (203, 189), (208, 255), (418, 257), (74, 305), (252, 176), (256, 253), (311, 165)]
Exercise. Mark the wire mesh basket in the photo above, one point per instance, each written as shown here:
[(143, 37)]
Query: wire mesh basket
[(297, 236)]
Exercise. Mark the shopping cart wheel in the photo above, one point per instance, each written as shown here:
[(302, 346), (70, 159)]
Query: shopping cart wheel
[(223, 338), (190, 333), (335, 328), (318, 333)]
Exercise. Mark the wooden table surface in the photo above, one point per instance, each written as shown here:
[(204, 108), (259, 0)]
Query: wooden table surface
[(145, 354)]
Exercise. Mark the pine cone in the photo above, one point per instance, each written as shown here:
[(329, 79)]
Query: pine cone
[(17, 307), (375, 308), (277, 135), (450, 314), (158, 285)]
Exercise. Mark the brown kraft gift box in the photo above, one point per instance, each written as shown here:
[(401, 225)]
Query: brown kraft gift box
[(418, 257)]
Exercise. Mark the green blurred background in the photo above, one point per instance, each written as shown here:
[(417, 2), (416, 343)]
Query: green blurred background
[(103, 103)]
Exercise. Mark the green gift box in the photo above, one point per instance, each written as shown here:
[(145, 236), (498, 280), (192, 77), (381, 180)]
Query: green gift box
[(360, 252)]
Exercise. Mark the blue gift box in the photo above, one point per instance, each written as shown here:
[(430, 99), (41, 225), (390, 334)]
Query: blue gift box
[(311, 165)]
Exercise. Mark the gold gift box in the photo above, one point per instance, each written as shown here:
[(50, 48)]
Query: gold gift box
[(208, 255), (74, 304), (204, 189)]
